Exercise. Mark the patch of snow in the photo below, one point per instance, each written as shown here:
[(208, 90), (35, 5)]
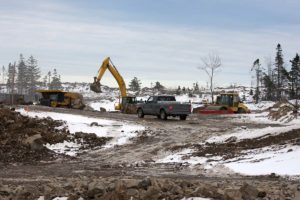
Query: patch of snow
[(260, 105), (245, 133), (120, 131), (281, 162), (68, 148), (195, 198), (60, 198), (107, 104), (180, 157), (177, 158)]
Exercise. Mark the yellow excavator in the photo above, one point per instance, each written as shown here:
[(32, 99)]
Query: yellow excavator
[(127, 104)]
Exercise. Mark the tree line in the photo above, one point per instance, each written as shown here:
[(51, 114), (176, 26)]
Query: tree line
[(136, 86), (23, 77), (277, 82)]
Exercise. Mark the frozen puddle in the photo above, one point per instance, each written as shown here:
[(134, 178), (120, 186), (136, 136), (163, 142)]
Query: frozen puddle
[(120, 132)]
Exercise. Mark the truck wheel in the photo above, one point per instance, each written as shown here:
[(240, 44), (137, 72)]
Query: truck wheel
[(182, 117), (140, 113), (158, 116), (163, 115)]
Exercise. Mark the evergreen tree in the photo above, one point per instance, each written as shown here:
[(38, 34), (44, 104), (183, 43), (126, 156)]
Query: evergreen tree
[(45, 80), (135, 84), (56, 82), (33, 74), (178, 91), (279, 69), (49, 79), (3, 74), (11, 76), (270, 87), (295, 77), (183, 90), (196, 87), (158, 86), (251, 92), (22, 82)]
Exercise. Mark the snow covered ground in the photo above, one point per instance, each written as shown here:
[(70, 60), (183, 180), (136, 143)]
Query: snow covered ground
[(108, 105), (260, 105), (285, 161), (271, 159), (120, 131)]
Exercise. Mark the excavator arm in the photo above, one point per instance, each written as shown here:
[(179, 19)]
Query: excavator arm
[(126, 104), (107, 64)]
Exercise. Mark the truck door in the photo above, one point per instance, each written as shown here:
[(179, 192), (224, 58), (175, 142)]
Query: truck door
[(147, 108), (157, 105)]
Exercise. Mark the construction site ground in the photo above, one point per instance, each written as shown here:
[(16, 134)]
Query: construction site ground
[(130, 172)]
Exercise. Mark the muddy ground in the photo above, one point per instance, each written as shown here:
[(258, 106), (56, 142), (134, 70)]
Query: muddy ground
[(129, 171)]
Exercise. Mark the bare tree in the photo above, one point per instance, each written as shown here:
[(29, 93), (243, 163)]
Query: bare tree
[(210, 65)]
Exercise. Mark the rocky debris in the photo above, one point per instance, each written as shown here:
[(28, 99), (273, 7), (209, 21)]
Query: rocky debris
[(22, 138), (90, 140), (283, 111), (144, 188)]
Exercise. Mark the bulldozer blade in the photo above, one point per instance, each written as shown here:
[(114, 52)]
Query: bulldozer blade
[(95, 87)]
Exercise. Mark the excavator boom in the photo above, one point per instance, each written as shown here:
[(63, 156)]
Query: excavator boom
[(107, 64)]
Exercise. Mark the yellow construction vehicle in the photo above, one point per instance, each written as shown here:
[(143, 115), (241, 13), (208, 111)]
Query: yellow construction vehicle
[(231, 102), (59, 98), (227, 103), (127, 104)]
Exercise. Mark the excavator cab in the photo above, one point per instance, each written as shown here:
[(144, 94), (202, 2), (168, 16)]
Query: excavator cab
[(127, 105)]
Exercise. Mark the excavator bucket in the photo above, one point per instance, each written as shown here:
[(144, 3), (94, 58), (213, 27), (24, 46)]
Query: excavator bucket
[(95, 86)]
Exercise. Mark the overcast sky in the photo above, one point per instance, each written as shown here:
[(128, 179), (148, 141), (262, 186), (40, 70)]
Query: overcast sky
[(158, 40)]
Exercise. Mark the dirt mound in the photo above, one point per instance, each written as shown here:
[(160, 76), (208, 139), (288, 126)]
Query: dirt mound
[(283, 111), (22, 138)]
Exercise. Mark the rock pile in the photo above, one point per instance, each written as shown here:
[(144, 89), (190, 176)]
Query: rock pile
[(22, 138), (283, 111), (135, 188)]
